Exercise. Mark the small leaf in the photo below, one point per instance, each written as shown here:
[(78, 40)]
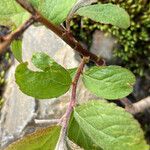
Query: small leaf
[(79, 4), (109, 82), (52, 82), (12, 14), (55, 11), (16, 48), (44, 62), (43, 139), (72, 72), (107, 14), (98, 125)]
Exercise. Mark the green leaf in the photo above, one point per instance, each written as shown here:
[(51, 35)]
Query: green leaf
[(98, 125), (52, 82), (55, 11), (16, 48), (109, 82), (44, 62), (107, 14), (11, 13), (43, 139), (72, 72)]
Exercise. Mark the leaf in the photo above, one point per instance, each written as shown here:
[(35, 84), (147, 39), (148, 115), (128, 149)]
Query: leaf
[(109, 82), (16, 48), (43, 139), (79, 4), (72, 72), (55, 11), (52, 82), (98, 125), (12, 14), (107, 14), (44, 62)]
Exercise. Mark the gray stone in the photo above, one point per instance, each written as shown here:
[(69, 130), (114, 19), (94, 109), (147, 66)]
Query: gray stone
[(40, 39), (102, 45), (17, 111)]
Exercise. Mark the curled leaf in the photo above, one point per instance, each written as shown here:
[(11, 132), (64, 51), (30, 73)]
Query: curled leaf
[(52, 82), (79, 4)]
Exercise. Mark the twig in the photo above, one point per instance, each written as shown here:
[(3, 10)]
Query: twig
[(63, 34), (72, 103), (73, 95), (26, 5), (77, 5), (126, 102), (70, 40), (6, 41), (46, 122), (139, 107)]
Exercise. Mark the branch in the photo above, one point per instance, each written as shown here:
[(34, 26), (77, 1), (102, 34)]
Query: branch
[(63, 34), (46, 122), (126, 102), (65, 119), (6, 40), (26, 5), (139, 107)]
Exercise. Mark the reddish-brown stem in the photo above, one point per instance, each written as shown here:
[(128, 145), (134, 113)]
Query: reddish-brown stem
[(9, 38), (126, 102), (72, 103), (63, 34), (70, 40), (138, 107)]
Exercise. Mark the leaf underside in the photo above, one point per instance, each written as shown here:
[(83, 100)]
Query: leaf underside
[(43, 139)]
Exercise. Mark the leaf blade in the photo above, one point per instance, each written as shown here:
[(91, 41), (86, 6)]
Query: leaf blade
[(55, 11), (72, 72), (109, 82), (52, 82), (11, 14), (16, 47), (102, 125), (107, 14)]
